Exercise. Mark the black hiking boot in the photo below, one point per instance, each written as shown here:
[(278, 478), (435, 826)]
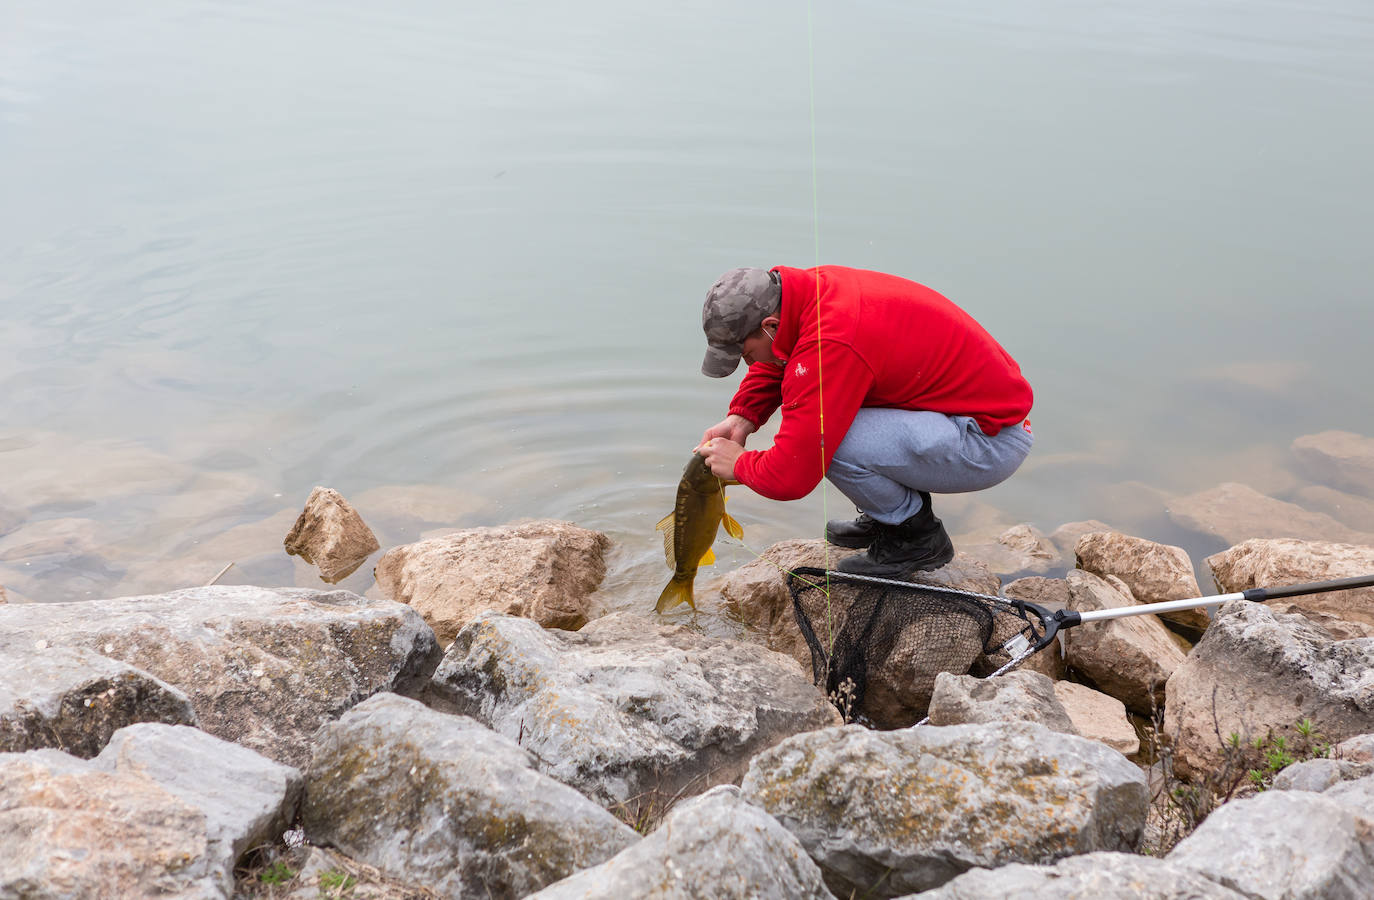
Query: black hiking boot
[(916, 545), (855, 534)]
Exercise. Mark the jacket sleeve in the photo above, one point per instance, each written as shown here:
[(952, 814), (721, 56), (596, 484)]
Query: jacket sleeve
[(821, 394), (759, 394)]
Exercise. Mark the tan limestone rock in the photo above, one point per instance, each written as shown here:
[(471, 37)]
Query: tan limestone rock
[(1280, 562), (1154, 572), (1098, 717), (331, 535), (1129, 658), (543, 570)]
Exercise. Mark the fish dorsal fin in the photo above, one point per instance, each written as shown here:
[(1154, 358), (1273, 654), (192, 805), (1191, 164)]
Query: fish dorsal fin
[(732, 528), (707, 558), (667, 526)]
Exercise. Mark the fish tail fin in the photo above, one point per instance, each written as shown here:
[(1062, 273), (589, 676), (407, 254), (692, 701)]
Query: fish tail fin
[(676, 592)]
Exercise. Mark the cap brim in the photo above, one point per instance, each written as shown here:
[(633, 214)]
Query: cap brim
[(720, 361)]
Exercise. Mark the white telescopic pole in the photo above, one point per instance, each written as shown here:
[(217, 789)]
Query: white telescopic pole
[(1121, 612)]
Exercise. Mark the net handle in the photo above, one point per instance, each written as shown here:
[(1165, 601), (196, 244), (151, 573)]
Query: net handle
[(1067, 619)]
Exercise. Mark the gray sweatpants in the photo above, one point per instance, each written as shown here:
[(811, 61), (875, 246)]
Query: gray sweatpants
[(890, 454)]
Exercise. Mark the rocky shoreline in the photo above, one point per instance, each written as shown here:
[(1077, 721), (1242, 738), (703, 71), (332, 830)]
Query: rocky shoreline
[(475, 727)]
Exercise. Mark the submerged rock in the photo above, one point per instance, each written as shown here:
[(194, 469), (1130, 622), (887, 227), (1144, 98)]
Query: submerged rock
[(543, 570), (1236, 512), (715, 845), (628, 712), (443, 801), (263, 668), (330, 535), (888, 813), (1340, 459)]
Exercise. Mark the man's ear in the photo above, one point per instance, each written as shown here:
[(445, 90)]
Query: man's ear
[(771, 322)]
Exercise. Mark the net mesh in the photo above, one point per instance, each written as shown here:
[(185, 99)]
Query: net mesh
[(877, 645)]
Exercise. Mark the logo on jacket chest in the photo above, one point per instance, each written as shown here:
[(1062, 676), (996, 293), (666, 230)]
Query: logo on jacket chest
[(800, 370)]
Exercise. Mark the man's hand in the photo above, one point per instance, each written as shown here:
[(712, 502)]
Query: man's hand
[(732, 428), (720, 455)]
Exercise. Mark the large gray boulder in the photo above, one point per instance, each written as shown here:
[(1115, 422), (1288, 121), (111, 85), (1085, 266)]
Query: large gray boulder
[(888, 813), (1098, 876), (262, 667), (1256, 672), (545, 570), (715, 845), (73, 699), (1129, 658), (442, 801), (1284, 845), (1154, 572), (626, 711), (1277, 562), (162, 811)]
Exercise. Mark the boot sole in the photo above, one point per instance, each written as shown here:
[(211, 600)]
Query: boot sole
[(854, 543)]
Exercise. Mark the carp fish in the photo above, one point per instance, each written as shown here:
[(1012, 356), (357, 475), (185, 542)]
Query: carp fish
[(690, 530)]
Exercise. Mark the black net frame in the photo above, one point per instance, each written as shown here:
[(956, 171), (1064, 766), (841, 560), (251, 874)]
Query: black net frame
[(903, 634)]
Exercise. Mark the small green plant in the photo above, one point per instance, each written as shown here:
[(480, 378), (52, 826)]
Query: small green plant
[(1276, 753), (277, 873), (335, 884)]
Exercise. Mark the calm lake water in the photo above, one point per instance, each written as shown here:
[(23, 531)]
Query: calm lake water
[(448, 258)]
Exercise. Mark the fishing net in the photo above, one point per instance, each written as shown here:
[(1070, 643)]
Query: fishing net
[(877, 645)]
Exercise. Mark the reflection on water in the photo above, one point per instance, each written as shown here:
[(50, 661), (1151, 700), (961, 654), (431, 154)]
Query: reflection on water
[(448, 260)]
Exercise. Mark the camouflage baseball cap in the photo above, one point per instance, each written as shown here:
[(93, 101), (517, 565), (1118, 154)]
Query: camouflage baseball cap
[(735, 307)]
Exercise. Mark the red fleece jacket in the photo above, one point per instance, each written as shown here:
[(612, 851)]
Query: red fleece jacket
[(851, 338)]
